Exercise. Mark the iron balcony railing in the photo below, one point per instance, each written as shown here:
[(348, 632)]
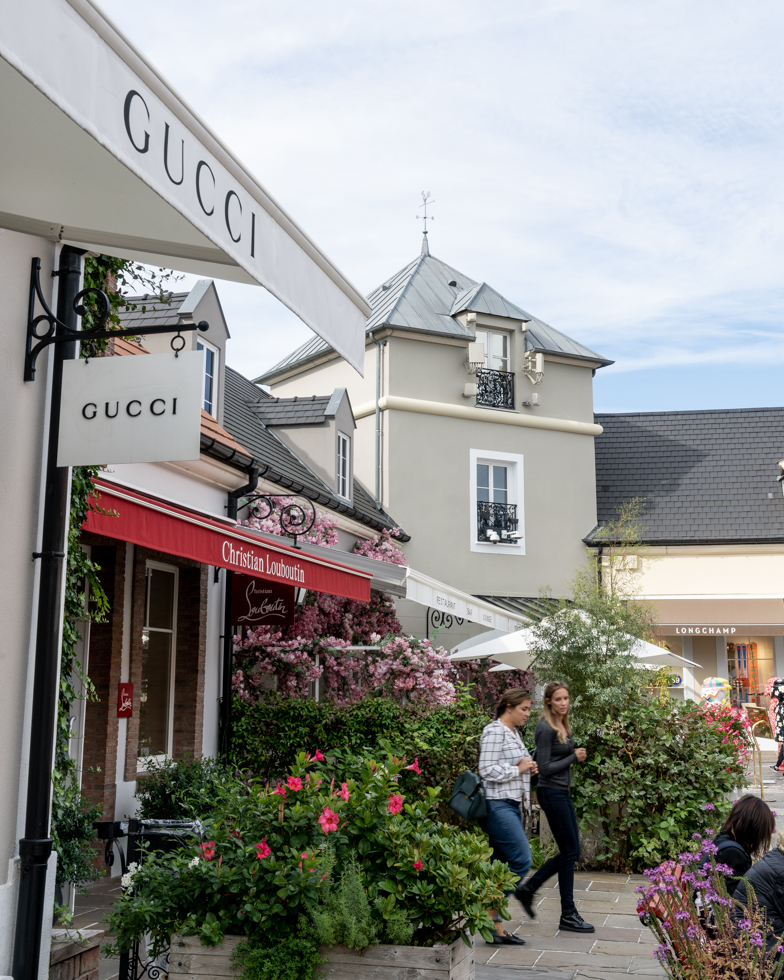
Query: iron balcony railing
[(495, 389), (495, 519)]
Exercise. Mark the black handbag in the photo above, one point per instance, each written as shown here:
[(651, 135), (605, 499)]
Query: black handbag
[(468, 797)]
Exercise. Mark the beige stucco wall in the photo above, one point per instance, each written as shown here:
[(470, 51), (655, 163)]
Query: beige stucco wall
[(21, 440), (743, 571)]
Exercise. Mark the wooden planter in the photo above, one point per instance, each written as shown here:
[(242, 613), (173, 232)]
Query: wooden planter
[(188, 958)]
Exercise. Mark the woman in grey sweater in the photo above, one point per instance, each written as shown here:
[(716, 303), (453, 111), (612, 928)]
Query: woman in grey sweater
[(555, 756)]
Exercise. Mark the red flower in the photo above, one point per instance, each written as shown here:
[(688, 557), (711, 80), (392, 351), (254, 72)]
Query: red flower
[(395, 804), (263, 850), (208, 850), (280, 790), (418, 865), (415, 766), (329, 820), (318, 757), (295, 783), (343, 791)]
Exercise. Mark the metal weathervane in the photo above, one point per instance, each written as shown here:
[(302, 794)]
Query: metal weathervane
[(426, 199)]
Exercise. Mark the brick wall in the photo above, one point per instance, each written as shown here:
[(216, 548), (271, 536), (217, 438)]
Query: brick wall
[(99, 767)]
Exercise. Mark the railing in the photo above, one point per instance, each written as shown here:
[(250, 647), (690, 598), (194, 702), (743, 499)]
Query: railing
[(495, 519), (495, 388)]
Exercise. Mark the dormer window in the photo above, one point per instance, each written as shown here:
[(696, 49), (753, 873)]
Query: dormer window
[(494, 381), (344, 466), (210, 404)]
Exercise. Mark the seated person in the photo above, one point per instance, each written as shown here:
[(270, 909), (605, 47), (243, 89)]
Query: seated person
[(766, 878), (744, 838)]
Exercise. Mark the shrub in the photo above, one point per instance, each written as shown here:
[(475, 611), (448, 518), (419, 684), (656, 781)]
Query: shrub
[(270, 850), (651, 777), (183, 789)]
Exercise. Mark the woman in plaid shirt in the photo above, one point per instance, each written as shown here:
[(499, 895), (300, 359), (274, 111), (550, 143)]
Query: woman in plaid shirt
[(505, 767)]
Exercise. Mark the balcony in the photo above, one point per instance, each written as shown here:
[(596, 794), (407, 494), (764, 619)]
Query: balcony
[(495, 522), (495, 389)]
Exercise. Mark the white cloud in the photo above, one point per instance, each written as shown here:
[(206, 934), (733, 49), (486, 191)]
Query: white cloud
[(612, 167)]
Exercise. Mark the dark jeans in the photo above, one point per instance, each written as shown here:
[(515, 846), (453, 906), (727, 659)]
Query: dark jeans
[(780, 760), (558, 808), (504, 826)]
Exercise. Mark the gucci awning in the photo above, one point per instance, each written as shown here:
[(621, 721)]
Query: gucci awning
[(100, 152), (150, 523)]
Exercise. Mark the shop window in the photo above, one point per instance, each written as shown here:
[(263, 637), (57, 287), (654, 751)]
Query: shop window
[(344, 467), (497, 502), (210, 404), (159, 642)]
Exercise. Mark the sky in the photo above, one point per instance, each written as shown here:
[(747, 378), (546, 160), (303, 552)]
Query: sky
[(614, 168)]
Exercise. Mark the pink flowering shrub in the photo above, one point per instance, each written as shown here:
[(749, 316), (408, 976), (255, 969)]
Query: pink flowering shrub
[(404, 668), (487, 686), (709, 941), (356, 622), (734, 726), (381, 547)]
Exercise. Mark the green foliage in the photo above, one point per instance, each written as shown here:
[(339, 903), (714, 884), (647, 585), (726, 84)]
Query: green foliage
[(72, 814), (344, 917), (187, 788), (295, 958), (657, 773), (270, 851), (445, 739)]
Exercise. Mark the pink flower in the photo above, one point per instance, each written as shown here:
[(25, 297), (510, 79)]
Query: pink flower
[(343, 791), (280, 790), (295, 783), (418, 865), (263, 850), (395, 804), (208, 850), (329, 820), (318, 757), (303, 855), (415, 767)]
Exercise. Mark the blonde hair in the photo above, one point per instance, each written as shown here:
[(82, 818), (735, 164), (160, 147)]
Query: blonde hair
[(547, 710)]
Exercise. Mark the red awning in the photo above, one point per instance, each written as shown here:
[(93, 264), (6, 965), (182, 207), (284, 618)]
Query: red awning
[(153, 524)]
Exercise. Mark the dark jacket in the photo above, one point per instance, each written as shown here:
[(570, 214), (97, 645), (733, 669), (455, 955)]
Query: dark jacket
[(731, 853), (766, 877), (554, 759)]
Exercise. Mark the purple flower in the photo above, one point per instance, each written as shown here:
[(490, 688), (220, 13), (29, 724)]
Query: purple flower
[(662, 953), (744, 924), (709, 806), (755, 939), (692, 932), (682, 915), (696, 836)]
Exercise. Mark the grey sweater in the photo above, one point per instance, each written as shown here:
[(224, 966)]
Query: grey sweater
[(553, 758)]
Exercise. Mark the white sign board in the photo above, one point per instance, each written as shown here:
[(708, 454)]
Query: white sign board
[(143, 408)]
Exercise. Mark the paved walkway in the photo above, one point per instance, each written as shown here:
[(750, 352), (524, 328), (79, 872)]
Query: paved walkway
[(620, 945)]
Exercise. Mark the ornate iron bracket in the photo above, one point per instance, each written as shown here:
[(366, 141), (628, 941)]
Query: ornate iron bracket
[(58, 333), (295, 519)]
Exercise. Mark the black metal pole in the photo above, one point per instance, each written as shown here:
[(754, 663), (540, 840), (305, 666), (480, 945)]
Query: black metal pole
[(35, 847), (228, 657)]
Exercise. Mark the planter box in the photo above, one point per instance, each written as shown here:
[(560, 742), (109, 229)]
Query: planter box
[(188, 958)]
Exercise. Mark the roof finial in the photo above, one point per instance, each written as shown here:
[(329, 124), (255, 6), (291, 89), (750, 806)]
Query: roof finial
[(426, 199)]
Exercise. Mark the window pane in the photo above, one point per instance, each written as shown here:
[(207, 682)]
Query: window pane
[(160, 608), (209, 377), (500, 351), (482, 481), (499, 484), (154, 695)]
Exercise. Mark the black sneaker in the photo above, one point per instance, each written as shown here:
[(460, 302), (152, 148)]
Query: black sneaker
[(574, 923), (506, 940), (526, 899)]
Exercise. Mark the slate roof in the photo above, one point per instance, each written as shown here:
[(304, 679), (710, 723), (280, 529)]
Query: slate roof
[(279, 464), (705, 475), (420, 298), (151, 313), (292, 411)]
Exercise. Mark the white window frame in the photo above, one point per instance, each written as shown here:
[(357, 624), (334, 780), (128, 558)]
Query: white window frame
[(338, 483), (215, 376), (515, 495), (491, 332), (142, 761)]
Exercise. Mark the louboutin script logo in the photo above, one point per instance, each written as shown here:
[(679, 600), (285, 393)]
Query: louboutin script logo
[(255, 601)]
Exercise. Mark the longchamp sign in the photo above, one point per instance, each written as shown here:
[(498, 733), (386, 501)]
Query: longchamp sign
[(133, 409)]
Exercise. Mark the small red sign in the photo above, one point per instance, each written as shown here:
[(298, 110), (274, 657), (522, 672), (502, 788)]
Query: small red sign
[(125, 701), (257, 601)]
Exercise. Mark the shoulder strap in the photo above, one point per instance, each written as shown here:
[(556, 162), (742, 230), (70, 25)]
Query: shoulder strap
[(726, 844)]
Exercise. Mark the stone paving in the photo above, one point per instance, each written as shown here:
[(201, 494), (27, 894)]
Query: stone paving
[(620, 945)]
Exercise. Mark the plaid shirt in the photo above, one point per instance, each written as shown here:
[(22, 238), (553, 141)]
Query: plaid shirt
[(501, 750)]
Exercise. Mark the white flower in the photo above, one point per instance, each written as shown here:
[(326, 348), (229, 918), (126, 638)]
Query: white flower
[(193, 863), (127, 879)]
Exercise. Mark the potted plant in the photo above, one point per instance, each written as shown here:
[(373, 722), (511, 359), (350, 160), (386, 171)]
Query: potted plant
[(309, 872)]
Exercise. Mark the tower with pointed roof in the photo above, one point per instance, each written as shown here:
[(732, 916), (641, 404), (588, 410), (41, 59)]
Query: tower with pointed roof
[(486, 453)]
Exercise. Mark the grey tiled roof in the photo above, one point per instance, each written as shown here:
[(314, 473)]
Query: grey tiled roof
[(533, 609), (292, 411), (279, 464), (150, 313), (705, 476), (420, 298)]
